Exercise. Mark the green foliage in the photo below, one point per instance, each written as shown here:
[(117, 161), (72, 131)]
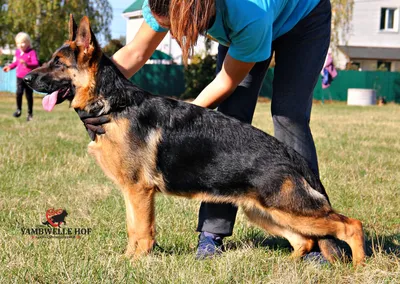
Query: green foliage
[(112, 46), (342, 14), (198, 75), (5, 58), (352, 66), (47, 21)]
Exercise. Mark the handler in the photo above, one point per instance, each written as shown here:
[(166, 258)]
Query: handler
[(248, 31)]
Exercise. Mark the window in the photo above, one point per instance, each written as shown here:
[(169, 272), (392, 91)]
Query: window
[(383, 66), (389, 19), (352, 65)]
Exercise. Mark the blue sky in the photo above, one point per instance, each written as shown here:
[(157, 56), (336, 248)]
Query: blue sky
[(118, 25)]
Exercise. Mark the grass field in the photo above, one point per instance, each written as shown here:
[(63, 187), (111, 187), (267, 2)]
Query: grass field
[(44, 164)]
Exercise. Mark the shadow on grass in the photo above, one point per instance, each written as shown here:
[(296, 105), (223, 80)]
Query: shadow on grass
[(384, 244), (253, 239)]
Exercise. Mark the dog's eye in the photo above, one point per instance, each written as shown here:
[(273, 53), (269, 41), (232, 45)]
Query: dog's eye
[(58, 63)]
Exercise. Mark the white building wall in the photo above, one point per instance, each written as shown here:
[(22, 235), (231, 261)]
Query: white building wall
[(395, 66), (368, 65), (132, 27), (168, 45), (365, 27)]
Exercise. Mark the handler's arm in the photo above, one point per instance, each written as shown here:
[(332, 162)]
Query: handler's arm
[(232, 73), (134, 55)]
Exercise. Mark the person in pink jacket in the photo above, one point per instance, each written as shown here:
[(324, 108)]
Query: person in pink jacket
[(25, 61)]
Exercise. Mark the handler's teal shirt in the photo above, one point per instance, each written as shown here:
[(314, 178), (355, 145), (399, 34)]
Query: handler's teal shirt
[(250, 26)]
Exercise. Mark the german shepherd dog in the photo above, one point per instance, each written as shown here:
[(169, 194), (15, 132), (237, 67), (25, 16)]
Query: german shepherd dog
[(160, 145)]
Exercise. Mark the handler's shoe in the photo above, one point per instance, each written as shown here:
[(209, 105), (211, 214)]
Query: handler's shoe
[(316, 257), (29, 117), (209, 246)]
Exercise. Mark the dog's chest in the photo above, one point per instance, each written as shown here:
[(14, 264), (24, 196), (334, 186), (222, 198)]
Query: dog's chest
[(124, 161), (110, 150)]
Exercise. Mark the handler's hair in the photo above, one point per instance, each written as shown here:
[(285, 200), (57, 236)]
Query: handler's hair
[(187, 19)]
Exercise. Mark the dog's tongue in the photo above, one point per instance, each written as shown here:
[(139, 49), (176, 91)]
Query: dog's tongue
[(50, 101)]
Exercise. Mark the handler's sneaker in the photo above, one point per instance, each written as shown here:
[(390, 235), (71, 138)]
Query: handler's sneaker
[(209, 246), (315, 257)]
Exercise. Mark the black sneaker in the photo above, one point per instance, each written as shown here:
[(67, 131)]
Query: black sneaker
[(17, 113), (29, 117), (315, 257), (208, 247)]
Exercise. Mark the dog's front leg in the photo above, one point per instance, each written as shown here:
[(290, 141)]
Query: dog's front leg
[(139, 201)]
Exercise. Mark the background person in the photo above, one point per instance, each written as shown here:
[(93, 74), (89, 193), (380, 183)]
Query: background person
[(25, 61), (249, 31), (328, 72)]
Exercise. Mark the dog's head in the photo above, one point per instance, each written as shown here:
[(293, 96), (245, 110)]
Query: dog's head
[(70, 73)]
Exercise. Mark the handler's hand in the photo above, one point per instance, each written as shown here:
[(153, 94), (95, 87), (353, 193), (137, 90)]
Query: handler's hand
[(94, 125), (6, 68)]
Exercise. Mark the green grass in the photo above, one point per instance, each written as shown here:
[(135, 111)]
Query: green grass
[(44, 164)]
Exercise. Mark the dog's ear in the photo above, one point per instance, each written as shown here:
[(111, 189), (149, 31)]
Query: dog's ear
[(72, 28), (85, 39)]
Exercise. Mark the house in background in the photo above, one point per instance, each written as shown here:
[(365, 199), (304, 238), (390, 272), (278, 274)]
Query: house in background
[(373, 41), (134, 17)]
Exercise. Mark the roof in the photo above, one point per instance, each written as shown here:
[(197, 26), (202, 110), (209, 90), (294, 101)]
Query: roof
[(135, 6), (362, 52)]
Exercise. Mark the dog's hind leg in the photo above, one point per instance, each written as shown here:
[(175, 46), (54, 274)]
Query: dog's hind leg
[(301, 244), (140, 218), (333, 224), (304, 210)]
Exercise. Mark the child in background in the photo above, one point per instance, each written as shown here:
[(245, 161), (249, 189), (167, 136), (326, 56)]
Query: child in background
[(25, 61)]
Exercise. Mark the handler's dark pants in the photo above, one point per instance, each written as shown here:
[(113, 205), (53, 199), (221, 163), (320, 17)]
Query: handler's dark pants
[(21, 87), (299, 57)]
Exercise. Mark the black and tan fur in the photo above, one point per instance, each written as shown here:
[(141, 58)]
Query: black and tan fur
[(159, 145)]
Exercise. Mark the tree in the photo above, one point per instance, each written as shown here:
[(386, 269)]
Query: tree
[(3, 16), (46, 21), (112, 46), (198, 74), (342, 14)]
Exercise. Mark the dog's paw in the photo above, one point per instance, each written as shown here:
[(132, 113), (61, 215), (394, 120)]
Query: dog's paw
[(138, 248)]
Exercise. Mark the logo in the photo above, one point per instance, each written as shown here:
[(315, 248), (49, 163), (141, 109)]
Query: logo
[(55, 217), (55, 226)]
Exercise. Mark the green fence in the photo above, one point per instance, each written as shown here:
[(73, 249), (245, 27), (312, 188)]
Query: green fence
[(163, 80), (386, 84), (168, 80)]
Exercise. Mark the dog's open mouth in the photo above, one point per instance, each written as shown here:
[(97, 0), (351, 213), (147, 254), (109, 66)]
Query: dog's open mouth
[(58, 96)]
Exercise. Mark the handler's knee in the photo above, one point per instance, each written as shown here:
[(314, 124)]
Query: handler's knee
[(290, 124)]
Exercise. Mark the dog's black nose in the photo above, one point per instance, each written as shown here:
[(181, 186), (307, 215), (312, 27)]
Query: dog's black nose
[(29, 78)]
